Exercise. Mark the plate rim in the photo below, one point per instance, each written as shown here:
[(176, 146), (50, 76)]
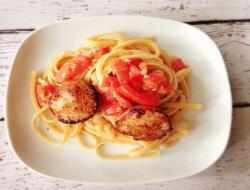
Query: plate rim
[(9, 78)]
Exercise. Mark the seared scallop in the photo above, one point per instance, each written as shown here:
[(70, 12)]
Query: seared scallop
[(144, 123), (73, 102)]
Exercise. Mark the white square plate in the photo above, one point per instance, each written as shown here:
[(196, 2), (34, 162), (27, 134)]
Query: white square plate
[(193, 153)]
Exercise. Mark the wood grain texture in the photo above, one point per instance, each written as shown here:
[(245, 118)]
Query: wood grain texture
[(232, 39), (8, 47), (33, 13), (231, 172)]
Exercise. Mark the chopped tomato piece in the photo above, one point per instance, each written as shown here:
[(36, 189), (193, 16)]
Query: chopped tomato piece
[(84, 60), (177, 64), (135, 74), (113, 108), (136, 78), (42, 93), (158, 74), (49, 89), (114, 84), (134, 61), (106, 97), (113, 81), (157, 81), (100, 52), (105, 81), (154, 80), (76, 66), (40, 97), (110, 105), (121, 69), (149, 84), (140, 97)]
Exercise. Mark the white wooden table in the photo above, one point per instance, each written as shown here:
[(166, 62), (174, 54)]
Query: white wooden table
[(226, 21)]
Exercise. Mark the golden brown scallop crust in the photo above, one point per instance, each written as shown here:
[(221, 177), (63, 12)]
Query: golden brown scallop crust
[(74, 102), (144, 123)]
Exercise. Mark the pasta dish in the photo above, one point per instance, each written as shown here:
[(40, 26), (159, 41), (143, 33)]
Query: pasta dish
[(116, 90)]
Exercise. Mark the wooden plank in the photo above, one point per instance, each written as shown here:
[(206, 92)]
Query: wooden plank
[(34, 13), (8, 46), (232, 39), (230, 172)]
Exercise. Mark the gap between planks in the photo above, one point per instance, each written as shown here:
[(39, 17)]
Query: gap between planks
[(241, 105), (201, 22), (208, 22)]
